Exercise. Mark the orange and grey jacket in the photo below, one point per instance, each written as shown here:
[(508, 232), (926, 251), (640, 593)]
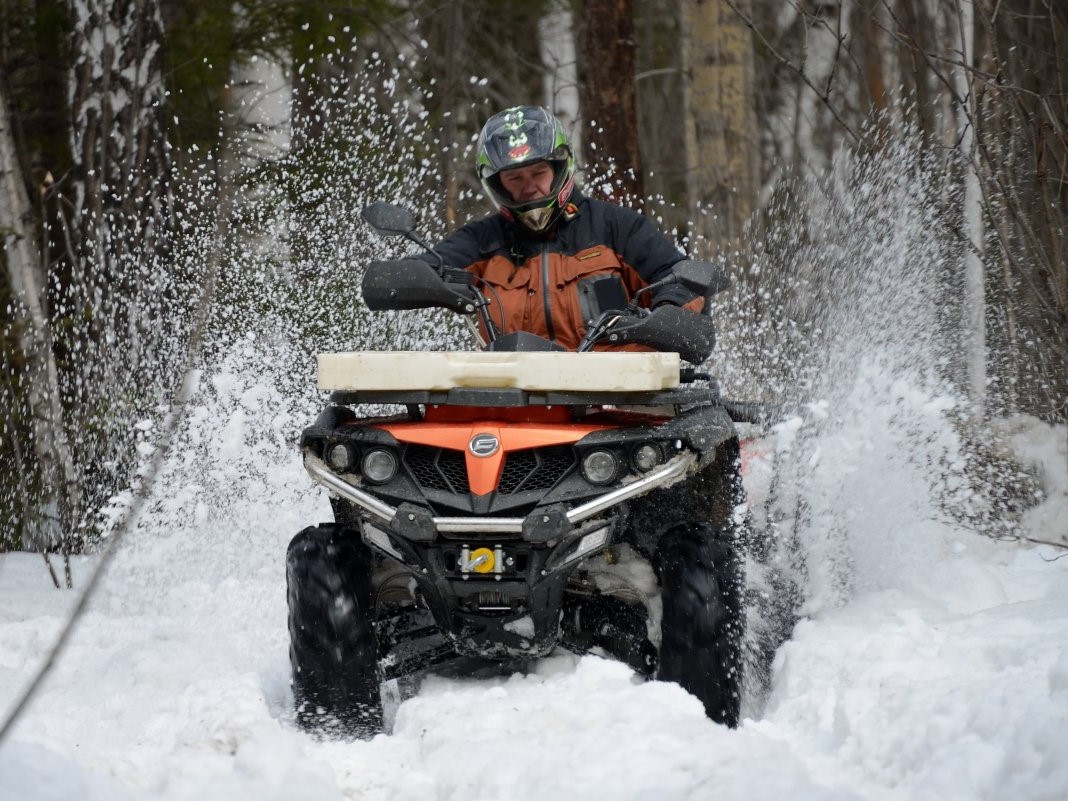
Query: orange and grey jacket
[(594, 259)]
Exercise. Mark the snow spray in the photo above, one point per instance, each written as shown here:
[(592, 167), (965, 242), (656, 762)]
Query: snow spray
[(868, 460)]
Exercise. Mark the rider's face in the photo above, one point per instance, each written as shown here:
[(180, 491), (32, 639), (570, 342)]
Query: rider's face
[(529, 182)]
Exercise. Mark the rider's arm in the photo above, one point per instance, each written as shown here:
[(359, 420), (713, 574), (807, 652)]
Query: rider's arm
[(467, 245), (652, 255)]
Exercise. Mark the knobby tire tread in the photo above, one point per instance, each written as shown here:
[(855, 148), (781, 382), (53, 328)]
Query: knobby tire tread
[(702, 587), (333, 649)]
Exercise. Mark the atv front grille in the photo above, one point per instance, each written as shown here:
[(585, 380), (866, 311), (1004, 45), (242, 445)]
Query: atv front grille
[(445, 469), (536, 469), (437, 468)]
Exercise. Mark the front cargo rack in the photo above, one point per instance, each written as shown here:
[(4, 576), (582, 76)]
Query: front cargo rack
[(501, 397)]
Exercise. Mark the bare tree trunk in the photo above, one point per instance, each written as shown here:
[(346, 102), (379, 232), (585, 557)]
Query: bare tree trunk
[(609, 100), (455, 40), (60, 507), (974, 274), (120, 221), (556, 33), (120, 152), (720, 119)]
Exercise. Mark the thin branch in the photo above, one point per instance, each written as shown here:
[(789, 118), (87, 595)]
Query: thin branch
[(824, 97), (1062, 546), (1006, 189)]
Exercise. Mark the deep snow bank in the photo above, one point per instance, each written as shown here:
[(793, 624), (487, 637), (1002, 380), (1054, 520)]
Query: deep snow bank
[(938, 670), (961, 692)]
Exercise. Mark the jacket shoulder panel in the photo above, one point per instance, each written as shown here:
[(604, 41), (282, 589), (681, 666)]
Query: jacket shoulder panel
[(476, 241)]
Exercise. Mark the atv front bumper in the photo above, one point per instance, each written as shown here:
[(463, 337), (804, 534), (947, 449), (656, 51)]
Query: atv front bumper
[(495, 585), (541, 525)]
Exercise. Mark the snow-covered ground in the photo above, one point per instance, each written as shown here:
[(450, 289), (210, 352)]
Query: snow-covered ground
[(939, 670)]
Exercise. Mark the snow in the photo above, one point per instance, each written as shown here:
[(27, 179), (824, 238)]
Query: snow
[(938, 677), (1045, 452)]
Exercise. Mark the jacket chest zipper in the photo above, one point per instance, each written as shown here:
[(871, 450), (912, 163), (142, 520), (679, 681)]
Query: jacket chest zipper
[(545, 295)]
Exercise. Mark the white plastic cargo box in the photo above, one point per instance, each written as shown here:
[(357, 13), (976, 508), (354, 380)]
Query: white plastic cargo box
[(538, 371)]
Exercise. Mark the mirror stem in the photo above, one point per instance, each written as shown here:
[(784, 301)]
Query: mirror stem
[(419, 241), (652, 287)]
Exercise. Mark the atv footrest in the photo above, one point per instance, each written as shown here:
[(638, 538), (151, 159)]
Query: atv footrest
[(412, 643)]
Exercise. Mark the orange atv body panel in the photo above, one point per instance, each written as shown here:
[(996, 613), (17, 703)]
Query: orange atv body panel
[(487, 435)]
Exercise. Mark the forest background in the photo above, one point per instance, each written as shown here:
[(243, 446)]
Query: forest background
[(177, 175)]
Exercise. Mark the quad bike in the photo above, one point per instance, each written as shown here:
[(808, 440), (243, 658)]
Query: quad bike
[(528, 499)]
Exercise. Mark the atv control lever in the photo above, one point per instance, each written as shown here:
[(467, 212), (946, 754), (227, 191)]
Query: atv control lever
[(453, 276), (605, 322)]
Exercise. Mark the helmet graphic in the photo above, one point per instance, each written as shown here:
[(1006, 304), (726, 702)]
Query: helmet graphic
[(516, 137)]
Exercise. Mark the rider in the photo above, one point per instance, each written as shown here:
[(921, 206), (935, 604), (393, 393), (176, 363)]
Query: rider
[(552, 259)]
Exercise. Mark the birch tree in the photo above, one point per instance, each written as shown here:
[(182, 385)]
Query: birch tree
[(974, 275), (60, 493), (556, 33), (119, 144), (119, 225)]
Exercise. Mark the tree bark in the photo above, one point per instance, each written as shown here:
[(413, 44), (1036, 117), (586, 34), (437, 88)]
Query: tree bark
[(120, 219), (121, 157), (556, 34), (720, 120), (974, 273), (455, 41), (608, 96), (60, 506)]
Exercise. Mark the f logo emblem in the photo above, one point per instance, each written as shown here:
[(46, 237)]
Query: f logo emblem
[(483, 445)]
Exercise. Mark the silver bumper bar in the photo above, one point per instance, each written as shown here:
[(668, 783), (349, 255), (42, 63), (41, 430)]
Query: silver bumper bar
[(672, 470)]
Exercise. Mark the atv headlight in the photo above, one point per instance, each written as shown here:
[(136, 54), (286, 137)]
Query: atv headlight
[(646, 457), (600, 467), (379, 466), (341, 456)]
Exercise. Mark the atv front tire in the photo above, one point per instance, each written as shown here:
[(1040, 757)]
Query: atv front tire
[(333, 651), (702, 587)]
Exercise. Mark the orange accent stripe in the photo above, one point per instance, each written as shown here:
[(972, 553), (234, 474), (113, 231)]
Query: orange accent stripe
[(484, 472)]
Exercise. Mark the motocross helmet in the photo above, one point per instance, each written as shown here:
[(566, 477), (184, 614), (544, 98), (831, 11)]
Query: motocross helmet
[(516, 137)]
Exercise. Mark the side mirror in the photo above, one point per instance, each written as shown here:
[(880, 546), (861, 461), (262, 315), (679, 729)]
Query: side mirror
[(701, 277), (388, 219)]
